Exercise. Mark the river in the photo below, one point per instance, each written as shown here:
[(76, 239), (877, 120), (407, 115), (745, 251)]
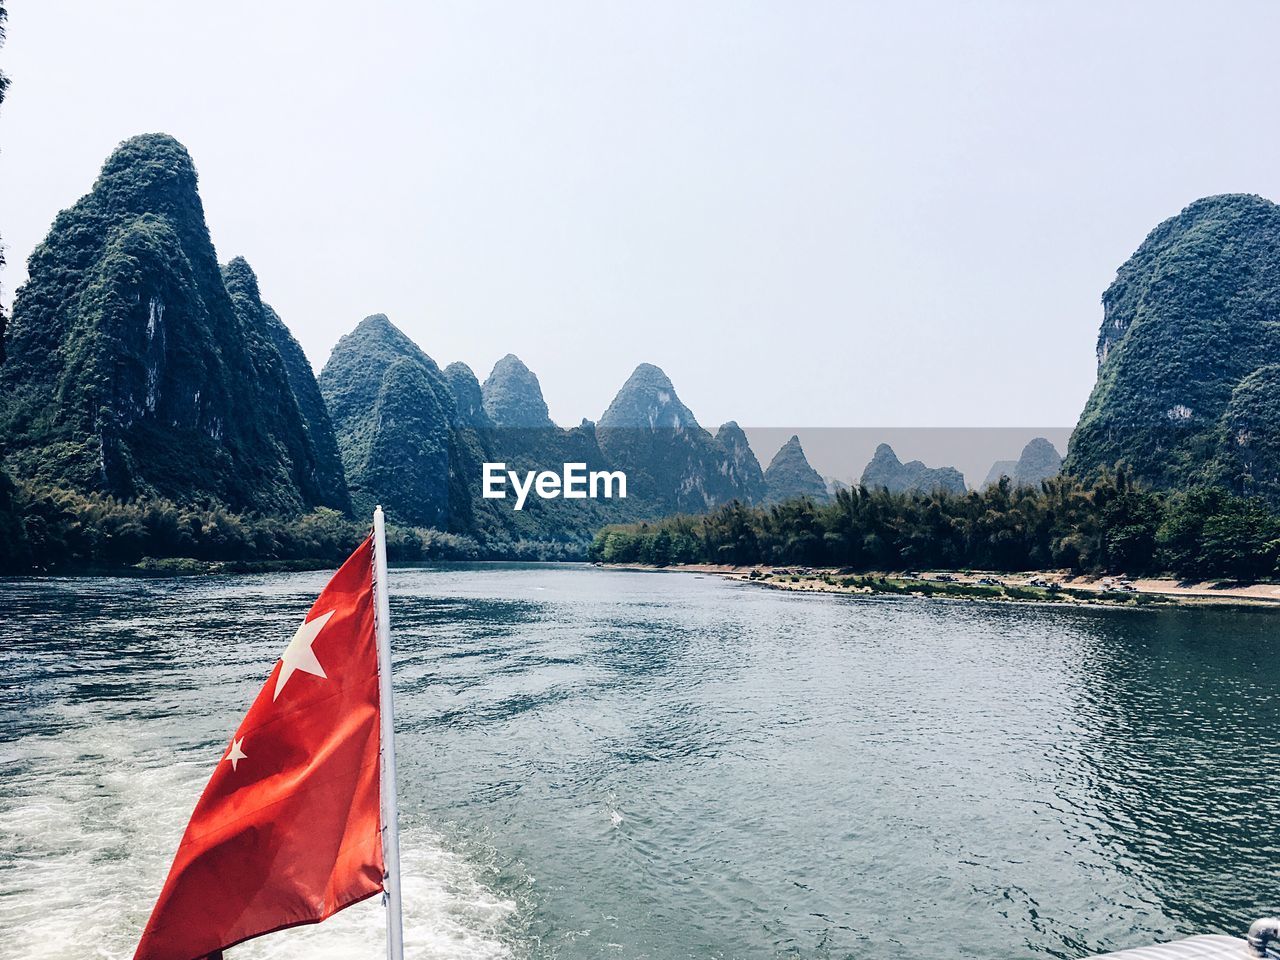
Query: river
[(598, 763)]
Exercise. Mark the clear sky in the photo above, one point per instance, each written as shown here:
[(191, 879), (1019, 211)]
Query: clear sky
[(809, 214)]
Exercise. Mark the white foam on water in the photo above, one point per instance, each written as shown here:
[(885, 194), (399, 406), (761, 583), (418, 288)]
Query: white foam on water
[(615, 815), (89, 820)]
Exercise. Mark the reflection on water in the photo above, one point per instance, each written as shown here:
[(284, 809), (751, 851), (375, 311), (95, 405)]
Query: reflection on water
[(596, 763)]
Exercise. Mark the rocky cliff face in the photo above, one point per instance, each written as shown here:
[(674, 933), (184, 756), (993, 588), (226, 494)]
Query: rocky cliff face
[(1189, 319), (789, 475), (513, 397), (671, 462), (131, 371), (886, 471)]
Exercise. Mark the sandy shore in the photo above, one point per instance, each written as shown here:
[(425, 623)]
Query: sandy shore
[(1031, 586)]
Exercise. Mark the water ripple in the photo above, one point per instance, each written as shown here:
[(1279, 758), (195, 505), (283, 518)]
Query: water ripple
[(634, 765)]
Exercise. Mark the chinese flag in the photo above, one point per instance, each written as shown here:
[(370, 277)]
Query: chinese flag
[(288, 830)]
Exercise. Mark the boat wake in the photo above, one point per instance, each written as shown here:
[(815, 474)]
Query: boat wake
[(90, 817)]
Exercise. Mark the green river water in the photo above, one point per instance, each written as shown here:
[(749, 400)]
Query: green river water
[(598, 763)]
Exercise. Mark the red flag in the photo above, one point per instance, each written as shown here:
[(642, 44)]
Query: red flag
[(287, 831)]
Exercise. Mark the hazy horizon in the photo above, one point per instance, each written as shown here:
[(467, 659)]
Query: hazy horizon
[(829, 214)]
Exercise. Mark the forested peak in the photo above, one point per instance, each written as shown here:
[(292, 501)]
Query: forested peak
[(790, 475), (377, 338), (1039, 461), (377, 325), (1201, 220), (140, 367), (1204, 254), (510, 366), (149, 173), (466, 394), (1230, 206), (884, 452), (648, 376), (459, 373), (241, 285), (239, 269), (1039, 448), (740, 465), (790, 457), (462, 369), (648, 400), (1207, 221), (1189, 316), (240, 279), (729, 432), (144, 197), (513, 395)]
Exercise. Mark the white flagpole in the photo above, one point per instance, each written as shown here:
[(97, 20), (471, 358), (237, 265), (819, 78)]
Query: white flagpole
[(390, 826)]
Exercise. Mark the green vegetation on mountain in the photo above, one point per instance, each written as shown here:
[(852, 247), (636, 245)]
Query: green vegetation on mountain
[(130, 372), (512, 397), (1187, 399), (47, 530), (1107, 525), (1248, 460), (672, 463), (414, 439), (526, 439), (393, 412), (738, 463), (468, 401), (307, 438), (15, 554), (1188, 321), (152, 405), (886, 471), (789, 475)]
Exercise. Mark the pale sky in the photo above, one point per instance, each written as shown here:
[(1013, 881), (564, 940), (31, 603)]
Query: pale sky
[(808, 214)]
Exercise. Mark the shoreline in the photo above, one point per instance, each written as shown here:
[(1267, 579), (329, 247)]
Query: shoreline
[(1053, 587)]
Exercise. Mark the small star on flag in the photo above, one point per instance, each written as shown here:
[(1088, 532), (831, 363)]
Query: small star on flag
[(235, 754)]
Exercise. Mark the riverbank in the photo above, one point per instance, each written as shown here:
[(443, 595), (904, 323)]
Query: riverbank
[(1025, 587)]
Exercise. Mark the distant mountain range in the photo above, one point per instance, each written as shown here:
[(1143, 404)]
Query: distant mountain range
[(139, 367), (888, 472)]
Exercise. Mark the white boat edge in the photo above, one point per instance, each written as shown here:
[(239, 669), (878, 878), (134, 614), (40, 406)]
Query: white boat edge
[(1262, 943), (1208, 947)]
